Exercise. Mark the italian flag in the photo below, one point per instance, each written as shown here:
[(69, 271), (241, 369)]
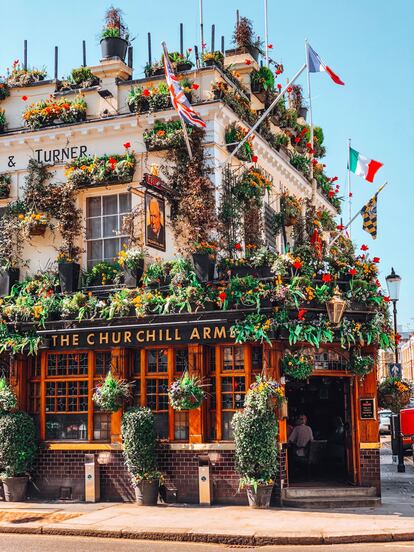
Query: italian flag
[(362, 166)]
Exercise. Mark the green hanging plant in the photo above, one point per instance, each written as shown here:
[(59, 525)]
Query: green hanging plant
[(298, 365), (186, 393), (111, 394), (359, 364), (8, 400)]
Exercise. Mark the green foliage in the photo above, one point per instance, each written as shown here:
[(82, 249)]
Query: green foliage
[(263, 394), (186, 393), (165, 135), (102, 274), (301, 163), (8, 399), (254, 327), (394, 394), (111, 394), (360, 365), (114, 25), (138, 434), (18, 446), (298, 365), (264, 76)]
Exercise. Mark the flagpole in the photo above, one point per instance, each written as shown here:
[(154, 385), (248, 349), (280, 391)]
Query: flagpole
[(266, 33), (354, 217), (265, 114), (310, 122), (349, 183), (183, 125), (201, 26)]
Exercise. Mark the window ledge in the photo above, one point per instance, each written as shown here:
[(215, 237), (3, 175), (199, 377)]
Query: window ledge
[(200, 446), (61, 445)]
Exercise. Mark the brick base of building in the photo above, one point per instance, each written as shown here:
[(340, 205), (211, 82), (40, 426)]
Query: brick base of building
[(56, 469), (370, 468)]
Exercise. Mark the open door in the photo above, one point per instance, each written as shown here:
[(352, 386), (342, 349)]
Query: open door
[(350, 431)]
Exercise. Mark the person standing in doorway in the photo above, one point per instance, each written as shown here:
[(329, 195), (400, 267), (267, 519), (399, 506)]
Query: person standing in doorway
[(301, 436)]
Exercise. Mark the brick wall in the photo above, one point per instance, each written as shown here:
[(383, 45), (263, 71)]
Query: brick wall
[(370, 468)]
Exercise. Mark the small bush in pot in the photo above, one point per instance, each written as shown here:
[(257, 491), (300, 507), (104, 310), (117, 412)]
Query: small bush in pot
[(69, 270), (131, 260), (114, 35), (139, 438), (255, 432), (18, 449), (204, 260)]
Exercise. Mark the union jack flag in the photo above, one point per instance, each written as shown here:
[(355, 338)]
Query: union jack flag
[(178, 98)]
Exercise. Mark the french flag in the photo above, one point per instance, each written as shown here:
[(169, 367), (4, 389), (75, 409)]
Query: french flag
[(316, 65)]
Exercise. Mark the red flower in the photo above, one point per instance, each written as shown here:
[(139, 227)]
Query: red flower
[(377, 283), (127, 145), (297, 140), (397, 338), (364, 247), (350, 194), (308, 145), (331, 193), (279, 86), (314, 161), (334, 179), (352, 271), (289, 89), (237, 246), (301, 314), (112, 161), (146, 93), (297, 265), (376, 260), (304, 131), (254, 158), (195, 86), (247, 61), (24, 98), (270, 46), (340, 227), (222, 296), (326, 278), (311, 151), (190, 49), (387, 299), (278, 71)]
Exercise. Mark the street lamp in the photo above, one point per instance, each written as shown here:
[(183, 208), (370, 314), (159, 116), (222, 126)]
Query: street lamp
[(393, 285), (336, 307)]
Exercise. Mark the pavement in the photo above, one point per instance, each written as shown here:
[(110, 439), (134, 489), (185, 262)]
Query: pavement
[(231, 525)]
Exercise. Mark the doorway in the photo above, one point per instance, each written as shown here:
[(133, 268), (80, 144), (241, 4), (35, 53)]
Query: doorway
[(326, 403)]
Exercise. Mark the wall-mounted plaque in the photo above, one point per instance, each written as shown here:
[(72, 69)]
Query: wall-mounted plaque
[(367, 409)]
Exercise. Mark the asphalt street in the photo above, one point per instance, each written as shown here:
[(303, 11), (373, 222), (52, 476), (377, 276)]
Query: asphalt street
[(44, 543)]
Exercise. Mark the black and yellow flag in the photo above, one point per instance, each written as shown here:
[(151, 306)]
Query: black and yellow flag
[(369, 216)]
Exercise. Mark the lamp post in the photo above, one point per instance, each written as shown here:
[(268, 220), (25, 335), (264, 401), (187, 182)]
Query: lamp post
[(393, 285)]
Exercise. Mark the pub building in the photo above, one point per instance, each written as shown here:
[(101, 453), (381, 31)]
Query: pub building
[(56, 385)]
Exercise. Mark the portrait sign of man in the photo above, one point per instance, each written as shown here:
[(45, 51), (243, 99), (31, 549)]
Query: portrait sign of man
[(155, 221)]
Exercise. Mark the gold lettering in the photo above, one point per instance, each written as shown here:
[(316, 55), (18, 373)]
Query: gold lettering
[(207, 333), (167, 335), (127, 337), (177, 336), (232, 334), (75, 339), (64, 340), (195, 334), (220, 333), (116, 338), (104, 338), (140, 339), (90, 339), (150, 335), (54, 339), (160, 335)]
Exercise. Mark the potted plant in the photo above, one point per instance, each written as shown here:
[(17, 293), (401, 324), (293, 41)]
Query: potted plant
[(91, 170), (181, 62), (219, 89), (290, 211), (111, 394), (20, 77), (394, 393), (298, 365), (4, 89), (234, 134), (17, 452), (159, 98), (139, 439), (186, 393), (8, 400), (245, 39), (68, 270), (165, 135), (210, 59), (204, 260), (5, 184), (52, 111), (3, 122), (262, 82), (255, 433), (137, 99), (114, 35), (33, 223), (102, 274), (131, 260), (359, 364)]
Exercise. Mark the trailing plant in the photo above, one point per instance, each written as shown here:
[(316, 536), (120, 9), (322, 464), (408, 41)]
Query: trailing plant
[(290, 211), (18, 446), (165, 136), (111, 394), (139, 439), (254, 327), (8, 399), (186, 393), (359, 364), (54, 111), (119, 304), (3, 120), (233, 135), (394, 393), (90, 170), (264, 394), (5, 185), (301, 163), (298, 365), (158, 98), (252, 186)]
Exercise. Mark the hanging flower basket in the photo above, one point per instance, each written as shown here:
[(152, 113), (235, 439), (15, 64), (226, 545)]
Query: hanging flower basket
[(186, 393), (394, 394), (8, 400), (298, 365), (360, 365), (264, 394), (111, 394)]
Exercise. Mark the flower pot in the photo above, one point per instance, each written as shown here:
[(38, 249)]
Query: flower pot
[(146, 493), (69, 277), (241, 271), (303, 111), (184, 66), (204, 266), (210, 63), (210, 306), (4, 192), (114, 47), (15, 488), (132, 276), (259, 498), (265, 272), (159, 71), (258, 91), (38, 229), (218, 94), (8, 278)]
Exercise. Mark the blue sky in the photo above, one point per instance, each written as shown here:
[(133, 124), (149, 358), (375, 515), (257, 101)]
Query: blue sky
[(368, 43)]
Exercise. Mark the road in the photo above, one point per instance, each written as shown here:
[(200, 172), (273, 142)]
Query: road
[(45, 543)]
